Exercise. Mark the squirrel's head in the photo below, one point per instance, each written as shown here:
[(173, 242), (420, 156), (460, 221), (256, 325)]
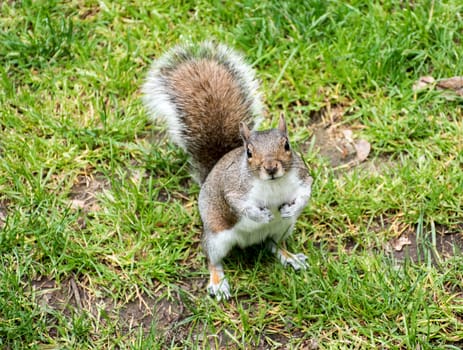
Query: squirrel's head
[(268, 152)]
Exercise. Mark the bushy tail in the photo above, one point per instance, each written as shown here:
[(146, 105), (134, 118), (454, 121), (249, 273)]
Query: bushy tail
[(203, 92)]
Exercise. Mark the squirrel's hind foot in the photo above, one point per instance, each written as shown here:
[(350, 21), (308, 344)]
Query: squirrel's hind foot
[(218, 286), (219, 291), (296, 260)]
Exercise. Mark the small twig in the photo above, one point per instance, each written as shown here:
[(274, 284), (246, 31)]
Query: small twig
[(142, 301), (76, 293)]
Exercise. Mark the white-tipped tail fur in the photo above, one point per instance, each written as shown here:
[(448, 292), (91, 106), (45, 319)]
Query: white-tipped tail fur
[(159, 100)]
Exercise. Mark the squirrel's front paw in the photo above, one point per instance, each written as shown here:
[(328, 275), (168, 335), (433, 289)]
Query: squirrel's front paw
[(288, 210), (257, 214)]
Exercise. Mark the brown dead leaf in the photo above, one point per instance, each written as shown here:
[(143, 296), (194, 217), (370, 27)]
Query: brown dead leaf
[(400, 242), (423, 83), (452, 84), (363, 149), (354, 151)]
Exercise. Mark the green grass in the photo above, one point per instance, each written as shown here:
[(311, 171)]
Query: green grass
[(99, 228)]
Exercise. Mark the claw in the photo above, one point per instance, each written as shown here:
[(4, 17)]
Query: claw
[(297, 261)]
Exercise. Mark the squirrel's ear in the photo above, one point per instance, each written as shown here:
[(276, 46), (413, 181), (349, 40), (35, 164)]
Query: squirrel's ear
[(244, 131), (282, 123)]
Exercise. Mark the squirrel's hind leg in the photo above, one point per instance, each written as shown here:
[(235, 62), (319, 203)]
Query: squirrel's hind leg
[(216, 246), (296, 260)]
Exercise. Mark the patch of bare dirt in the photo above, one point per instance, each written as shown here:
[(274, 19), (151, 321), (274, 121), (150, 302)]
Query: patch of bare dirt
[(143, 311), (335, 141), (84, 192), (84, 195), (438, 242), (444, 244), (340, 146)]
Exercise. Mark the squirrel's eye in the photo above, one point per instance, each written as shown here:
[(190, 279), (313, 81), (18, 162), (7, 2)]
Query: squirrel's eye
[(287, 145), (248, 152)]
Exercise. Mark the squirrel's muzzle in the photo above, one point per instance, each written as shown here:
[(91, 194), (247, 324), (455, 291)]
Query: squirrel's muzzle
[(272, 169)]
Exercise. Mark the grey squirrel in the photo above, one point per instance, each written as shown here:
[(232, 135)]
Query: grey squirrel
[(253, 185)]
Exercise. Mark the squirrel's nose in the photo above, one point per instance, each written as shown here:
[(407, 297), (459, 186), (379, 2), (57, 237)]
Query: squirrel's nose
[(271, 168)]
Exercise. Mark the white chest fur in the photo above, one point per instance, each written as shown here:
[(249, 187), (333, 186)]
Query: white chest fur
[(273, 193), (269, 194)]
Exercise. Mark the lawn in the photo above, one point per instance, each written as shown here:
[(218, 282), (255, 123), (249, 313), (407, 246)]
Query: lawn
[(99, 225)]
